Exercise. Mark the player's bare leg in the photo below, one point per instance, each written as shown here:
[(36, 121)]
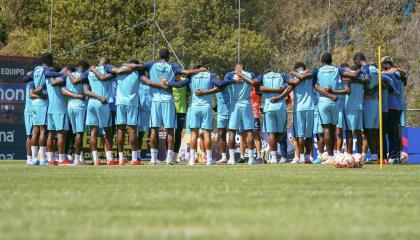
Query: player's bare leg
[(154, 134), (132, 131), (272, 142), (50, 148), (170, 159), (231, 146), (193, 146), (61, 145), (221, 138), (251, 146), (340, 141), (258, 145), (208, 146), (120, 143)]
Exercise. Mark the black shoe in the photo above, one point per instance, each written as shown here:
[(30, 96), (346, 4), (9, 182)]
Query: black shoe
[(241, 160)]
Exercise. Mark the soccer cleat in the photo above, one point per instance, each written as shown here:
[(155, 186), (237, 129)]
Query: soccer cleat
[(295, 161), (283, 160), (191, 162), (97, 163), (152, 162), (121, 163), (259, 161), (272, 161), (33, 162), (78, 163), (65, 162), (231, 162), (171, 161), (252, 162), (112, 162), (316, 161), (222, 161), (53, 163), (43, 163), (136, 162), (210, 162), (241, 160)]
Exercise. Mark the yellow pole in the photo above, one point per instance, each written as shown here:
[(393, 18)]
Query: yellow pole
[(381, 157)]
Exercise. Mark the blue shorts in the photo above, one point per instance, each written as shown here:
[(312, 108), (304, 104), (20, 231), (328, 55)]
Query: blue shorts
[(222, 121), (340, 120), (371, 114), (201, 118), (127, 115), (39, 115), (163, 114), (77, 117), (317, 124), (328, 113), (58, 122), (241, 116), (29, 124), (143, 123), (98, 115), (275, 121), (403, 117), (303, 124), (353, 120)]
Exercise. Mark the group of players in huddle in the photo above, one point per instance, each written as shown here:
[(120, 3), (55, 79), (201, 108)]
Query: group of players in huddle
[(329, 103)]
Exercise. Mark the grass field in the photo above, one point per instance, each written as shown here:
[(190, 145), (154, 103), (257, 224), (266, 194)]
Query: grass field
[(216, 202)]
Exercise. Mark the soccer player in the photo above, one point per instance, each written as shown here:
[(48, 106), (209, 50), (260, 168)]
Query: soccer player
[(303, 113), (370, 104), (223, 114), (341, 118), (143, 122), (241, 110), (328, 85), (29, 86), (200, 112), (273, 87), (127, 101), (318, 131), (40, 108), (255, 103), (353, 114), (180, 99), (99, 91), (57, 118), (163, 106), (395, 106), (77, 105)]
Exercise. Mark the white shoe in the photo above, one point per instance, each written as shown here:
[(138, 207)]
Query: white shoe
[(253, 162), (210, 162), (272, 161), (191, 162), (153, 162), (231, 162), (170, 161), (283, 160), (295, 161), (222, 161)]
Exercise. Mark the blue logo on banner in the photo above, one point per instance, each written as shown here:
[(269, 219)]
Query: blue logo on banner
[(12, 93)]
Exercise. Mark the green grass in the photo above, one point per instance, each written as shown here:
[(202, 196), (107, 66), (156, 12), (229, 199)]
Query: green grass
[(217, 202)]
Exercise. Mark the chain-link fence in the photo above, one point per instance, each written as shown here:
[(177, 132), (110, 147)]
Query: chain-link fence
[(268, 34)]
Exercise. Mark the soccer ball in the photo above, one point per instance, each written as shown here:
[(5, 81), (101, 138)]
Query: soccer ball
[(324, 157), (340, 160), (358, 160), (404, 158), (349, 160)]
